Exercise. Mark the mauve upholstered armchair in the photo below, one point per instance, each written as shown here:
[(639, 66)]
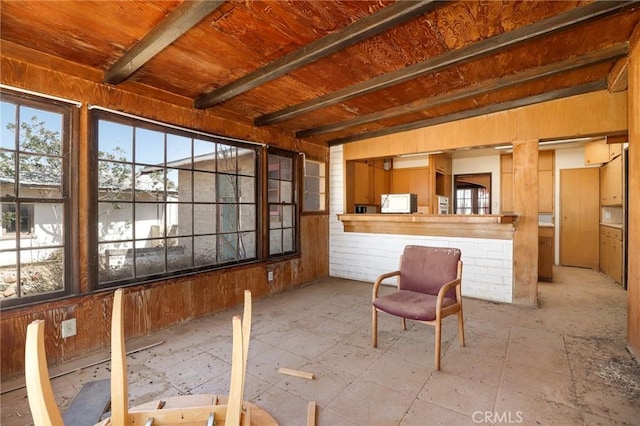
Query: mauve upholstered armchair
[(428, 290)]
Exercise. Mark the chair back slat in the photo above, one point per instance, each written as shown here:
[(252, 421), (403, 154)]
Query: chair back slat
[(426, 269)]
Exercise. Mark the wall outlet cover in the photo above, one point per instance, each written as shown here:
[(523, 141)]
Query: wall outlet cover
[(68, 328)]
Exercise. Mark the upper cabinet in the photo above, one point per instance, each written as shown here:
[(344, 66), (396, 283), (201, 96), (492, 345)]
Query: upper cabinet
[(546, 185), (611, 183), (366, 182), (601, 151)]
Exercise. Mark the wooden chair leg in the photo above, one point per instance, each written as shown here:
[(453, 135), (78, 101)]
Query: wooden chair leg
[(461, 327), (438, 344), (404, 324), (374, 327)]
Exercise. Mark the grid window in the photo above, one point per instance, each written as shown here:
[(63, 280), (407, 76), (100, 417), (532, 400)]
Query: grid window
[(282, 205), (34, 249), (315, 195), (171, 201)]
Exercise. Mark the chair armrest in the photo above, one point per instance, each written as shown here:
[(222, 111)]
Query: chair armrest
[(382, 277), (443, 291)]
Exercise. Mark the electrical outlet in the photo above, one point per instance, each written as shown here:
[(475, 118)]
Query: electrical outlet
[(68, 328), (270, 276)]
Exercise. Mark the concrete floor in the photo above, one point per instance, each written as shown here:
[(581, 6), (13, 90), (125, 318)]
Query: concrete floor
[(562, 364)]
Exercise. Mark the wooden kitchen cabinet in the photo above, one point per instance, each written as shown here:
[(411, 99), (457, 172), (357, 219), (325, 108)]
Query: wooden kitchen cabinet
[(611, 252), (596, 152), (611, 183)]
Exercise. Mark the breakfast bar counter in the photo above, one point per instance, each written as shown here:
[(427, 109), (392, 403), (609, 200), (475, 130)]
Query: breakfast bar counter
[(443, 225)]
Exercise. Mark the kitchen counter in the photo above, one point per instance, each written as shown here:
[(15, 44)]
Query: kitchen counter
[(452, 225)]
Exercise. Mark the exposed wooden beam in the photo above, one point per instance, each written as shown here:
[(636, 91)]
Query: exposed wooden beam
[(468, 53), (371, 25), (185, 16), (618, 77), (489, 109), (479, 89)]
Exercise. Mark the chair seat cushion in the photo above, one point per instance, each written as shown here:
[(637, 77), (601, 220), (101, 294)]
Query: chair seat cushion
[(411, 305)]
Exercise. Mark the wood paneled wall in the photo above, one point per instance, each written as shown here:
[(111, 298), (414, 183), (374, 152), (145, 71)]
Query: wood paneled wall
[(633, 259), (154, 306)]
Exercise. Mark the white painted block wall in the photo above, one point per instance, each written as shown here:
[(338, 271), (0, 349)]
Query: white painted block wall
[(487, 263)]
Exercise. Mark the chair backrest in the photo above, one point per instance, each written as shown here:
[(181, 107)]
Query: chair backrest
[(426, 269), (41, 401)]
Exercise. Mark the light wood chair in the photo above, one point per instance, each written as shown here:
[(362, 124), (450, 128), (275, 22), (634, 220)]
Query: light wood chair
[(198, 409), (428, 289), (233, 413), (41, 401)]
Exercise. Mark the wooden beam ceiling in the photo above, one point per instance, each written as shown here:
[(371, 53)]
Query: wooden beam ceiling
[(465, 54), (162, 35), (371, 25), (489, 109), (489, 86)]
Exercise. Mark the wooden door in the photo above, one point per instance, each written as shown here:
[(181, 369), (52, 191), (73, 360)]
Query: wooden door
[(579, 217)]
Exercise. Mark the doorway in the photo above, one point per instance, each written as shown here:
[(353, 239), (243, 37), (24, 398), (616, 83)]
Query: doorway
[(472, 194), (580, 217)]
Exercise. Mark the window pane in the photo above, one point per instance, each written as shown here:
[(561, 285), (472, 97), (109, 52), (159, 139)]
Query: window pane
[(115, 221), (204, 250), (7, 126), (182, 179), (227, 247), (47, 223), (41, 271), (203, 154), (40, 176), (149, 184), (204, 186), (114, 181), (179, 253), (247, 246), (286, 191), (7, 173), (182, 224), (286, 168), (115, 141), (246, 162), (149, 220), (227, 159), (204, 216), (149, 147), (228, 217), (287, 216), (227, 187), (149, 260), (11, 223), (115, 261), (274, 167), (40, 131), (288, 243), (275, 241), (247, 218), (274, 191), (247, 189), (178, 151)]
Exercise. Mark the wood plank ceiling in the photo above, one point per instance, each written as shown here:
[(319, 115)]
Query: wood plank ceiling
[(337, 71)]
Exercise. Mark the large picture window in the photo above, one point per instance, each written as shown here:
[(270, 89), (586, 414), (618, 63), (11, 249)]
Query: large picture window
[(170, 201), (34, 183)]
